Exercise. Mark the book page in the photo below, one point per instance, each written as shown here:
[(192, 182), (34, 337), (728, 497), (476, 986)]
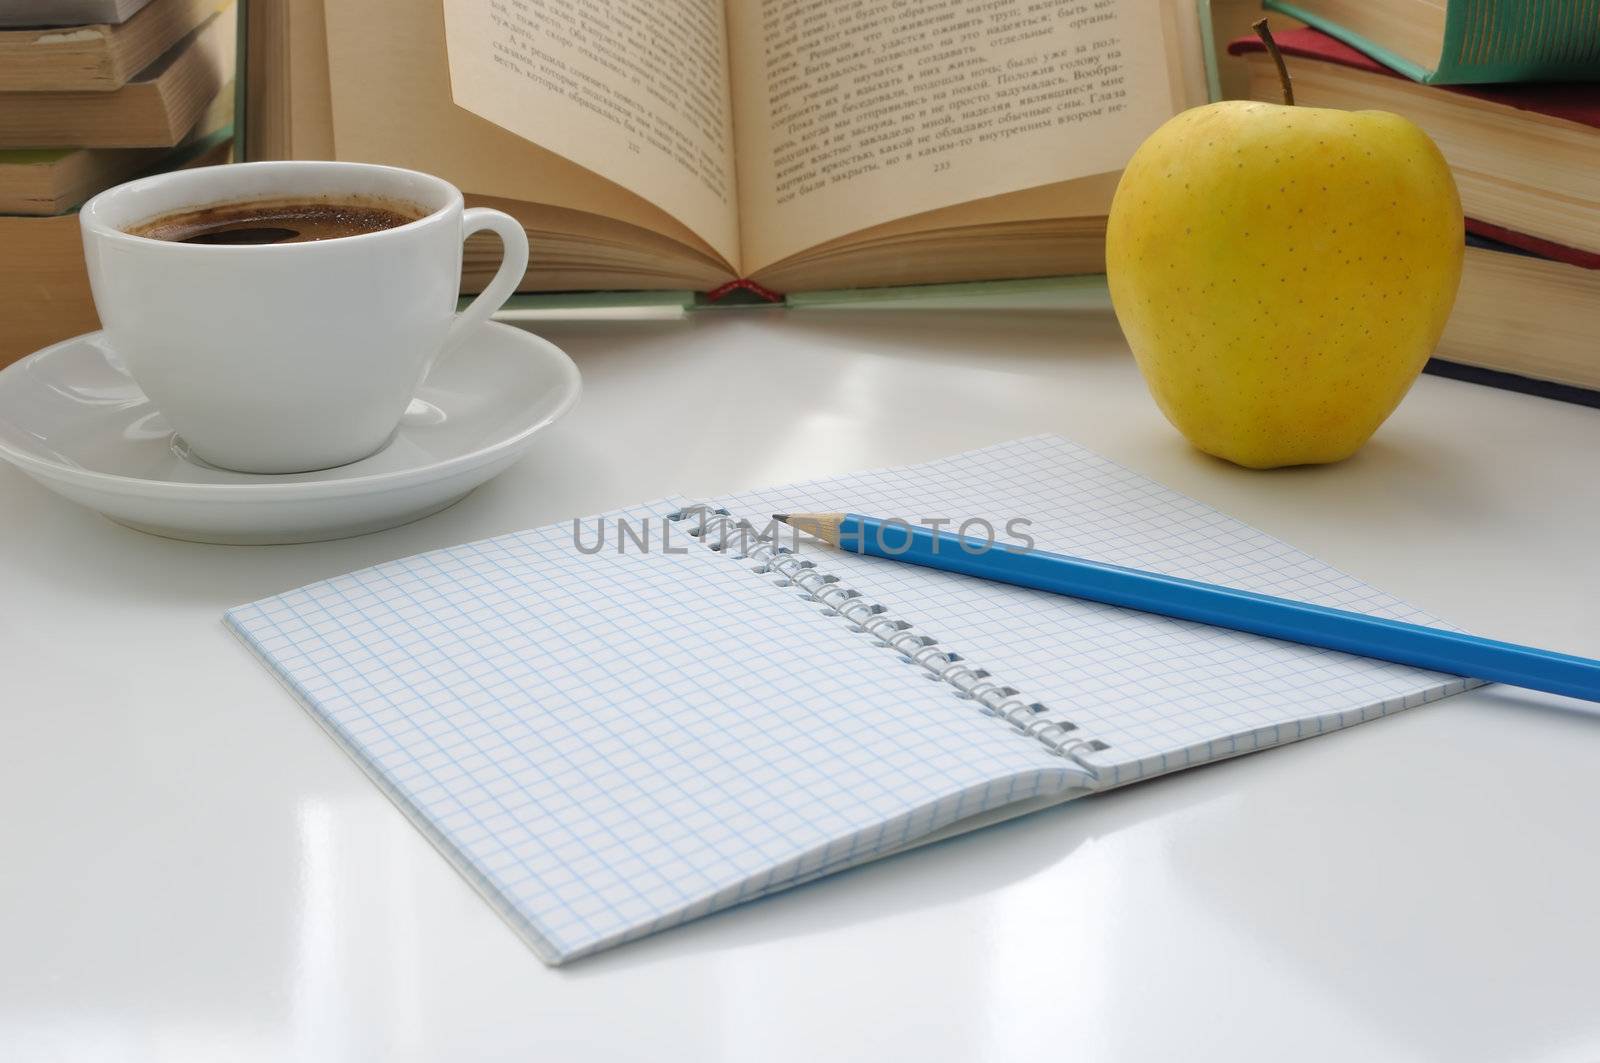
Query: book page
[(634, 90), (851, 115), (388, 101)]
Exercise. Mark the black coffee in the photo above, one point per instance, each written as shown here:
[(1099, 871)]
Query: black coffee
[(277, 221)]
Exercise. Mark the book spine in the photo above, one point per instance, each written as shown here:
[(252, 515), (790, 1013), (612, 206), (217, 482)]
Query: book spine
[(1489, 41), (719, 531), (1529, 40)]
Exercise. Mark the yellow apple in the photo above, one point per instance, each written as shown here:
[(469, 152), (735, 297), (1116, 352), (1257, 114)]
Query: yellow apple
[(1282, 274)]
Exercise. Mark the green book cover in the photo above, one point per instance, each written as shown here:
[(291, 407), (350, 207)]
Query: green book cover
[(1034, 294), (241, 77), (535, 307), (1488, 41), (1054, 294), (1208, 50), (35, 156)]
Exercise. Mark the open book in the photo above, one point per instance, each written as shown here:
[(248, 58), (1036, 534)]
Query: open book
[(674, 144), (608, 739)]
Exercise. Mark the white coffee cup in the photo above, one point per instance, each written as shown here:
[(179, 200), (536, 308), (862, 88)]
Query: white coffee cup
[(289, 357)]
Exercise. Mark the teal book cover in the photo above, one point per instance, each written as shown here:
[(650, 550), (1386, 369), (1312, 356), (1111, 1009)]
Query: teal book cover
[(1463, 42)]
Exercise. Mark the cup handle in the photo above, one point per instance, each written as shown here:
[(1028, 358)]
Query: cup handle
[(513, 264)]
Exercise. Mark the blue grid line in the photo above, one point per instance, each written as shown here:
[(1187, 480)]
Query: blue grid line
[(610, 745)]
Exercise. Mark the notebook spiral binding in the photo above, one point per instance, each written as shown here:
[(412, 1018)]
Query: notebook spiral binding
[(1029, 719)]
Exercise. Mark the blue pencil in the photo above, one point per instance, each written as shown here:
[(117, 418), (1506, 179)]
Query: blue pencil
[(1260, 614)]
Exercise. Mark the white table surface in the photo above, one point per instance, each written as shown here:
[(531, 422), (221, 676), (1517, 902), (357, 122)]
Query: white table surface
[(191, 870)]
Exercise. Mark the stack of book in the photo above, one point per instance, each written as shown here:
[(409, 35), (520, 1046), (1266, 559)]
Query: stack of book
[(1511, 94), (92, 93)]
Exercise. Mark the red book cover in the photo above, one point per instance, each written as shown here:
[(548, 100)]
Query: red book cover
[(1572, 256), (1577, 102), (1571, 101)]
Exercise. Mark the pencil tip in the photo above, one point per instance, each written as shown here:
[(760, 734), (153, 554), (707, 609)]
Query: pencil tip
[(782, 518)]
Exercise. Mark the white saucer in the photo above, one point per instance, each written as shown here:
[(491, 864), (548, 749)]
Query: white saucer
[(72, 418)]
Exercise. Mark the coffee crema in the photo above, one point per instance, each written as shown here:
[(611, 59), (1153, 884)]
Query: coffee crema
[(285, 221)]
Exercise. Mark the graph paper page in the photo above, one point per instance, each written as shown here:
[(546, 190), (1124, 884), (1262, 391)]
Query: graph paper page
[(1162, 694), (609, 744)]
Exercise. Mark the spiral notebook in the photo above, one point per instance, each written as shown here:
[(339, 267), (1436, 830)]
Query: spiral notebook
[(611, 740)]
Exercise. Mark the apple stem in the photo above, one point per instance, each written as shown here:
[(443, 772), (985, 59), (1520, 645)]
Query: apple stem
[(1265, 33)]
